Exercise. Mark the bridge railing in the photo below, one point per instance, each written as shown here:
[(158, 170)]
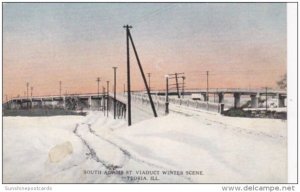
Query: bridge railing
[(57, 96), (72, 103), (217, 90), (159, 102)]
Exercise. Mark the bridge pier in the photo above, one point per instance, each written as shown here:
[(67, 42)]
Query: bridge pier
[(280, 100), (22, 104), (90, 102), (221, 97), (100, 103), (30, 103), (19, 104), (40, 103), (254, 100), (33, 103), (237, 100), (64, 103), (9, 104), (12, 105), (52, 103), (103, 102), (43, 103), (205, 96)]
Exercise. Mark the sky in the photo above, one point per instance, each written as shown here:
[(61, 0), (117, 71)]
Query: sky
[(242, 45)]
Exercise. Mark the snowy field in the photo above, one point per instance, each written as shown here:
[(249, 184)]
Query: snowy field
[(192, 146)]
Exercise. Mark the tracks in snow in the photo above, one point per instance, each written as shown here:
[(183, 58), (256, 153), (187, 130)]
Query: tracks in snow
[(120, 157), (92, 152), (233, 128)]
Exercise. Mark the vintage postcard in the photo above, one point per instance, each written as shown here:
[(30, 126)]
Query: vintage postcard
[(145, 93)]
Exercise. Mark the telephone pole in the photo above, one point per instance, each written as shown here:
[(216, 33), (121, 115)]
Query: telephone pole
[(27, 85), (177, 87), (115, 90), (59, 88), (182, 93), (176, 76), (98, 81), (129, 38), (103, 96), (207, 74), (143, 75), (167, 94), (107, 82), (128, 75), (31, 89)]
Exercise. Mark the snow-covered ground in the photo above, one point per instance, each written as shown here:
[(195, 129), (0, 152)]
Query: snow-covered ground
[(75, 149)]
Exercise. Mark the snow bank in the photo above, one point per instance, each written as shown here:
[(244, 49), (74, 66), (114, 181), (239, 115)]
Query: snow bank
[(223, 149), (226, 151), (27, 142)]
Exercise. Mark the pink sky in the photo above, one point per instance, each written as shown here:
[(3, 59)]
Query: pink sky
[(43, 49)]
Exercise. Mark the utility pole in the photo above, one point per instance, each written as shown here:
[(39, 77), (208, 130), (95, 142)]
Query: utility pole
[(143, 75), (176, 76), (98, 81), (31, 89), (59, 88), (103, 95), (128, 75), (177, 87), (182, 93), (27, 85), (207, 98), (115, 90), (167, 94), (149, 74), (107, 106)]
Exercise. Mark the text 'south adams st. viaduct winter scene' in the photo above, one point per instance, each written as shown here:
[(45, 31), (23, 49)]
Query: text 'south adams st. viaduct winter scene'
[(144, 93)]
